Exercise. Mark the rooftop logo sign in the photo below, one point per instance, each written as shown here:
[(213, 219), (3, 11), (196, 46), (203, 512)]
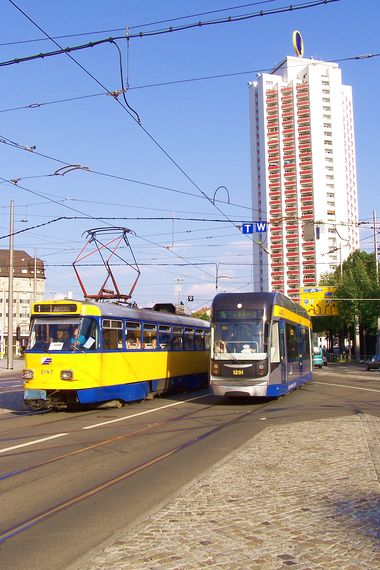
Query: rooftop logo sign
[(298, 44)]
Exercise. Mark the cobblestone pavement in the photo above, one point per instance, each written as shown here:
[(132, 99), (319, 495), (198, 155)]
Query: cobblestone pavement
[(303, 495)]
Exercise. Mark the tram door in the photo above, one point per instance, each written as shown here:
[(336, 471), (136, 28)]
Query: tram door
[(283, 367)]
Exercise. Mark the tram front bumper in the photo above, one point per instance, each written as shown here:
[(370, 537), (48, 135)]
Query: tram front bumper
[(34, 394), (223, 388)]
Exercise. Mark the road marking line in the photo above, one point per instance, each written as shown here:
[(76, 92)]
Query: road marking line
[(345, 386), (32, 442), (146, 412)]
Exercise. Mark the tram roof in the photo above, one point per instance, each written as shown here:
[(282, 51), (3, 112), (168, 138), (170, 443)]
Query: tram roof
[(257, 298), (114, 310), (141, 314)]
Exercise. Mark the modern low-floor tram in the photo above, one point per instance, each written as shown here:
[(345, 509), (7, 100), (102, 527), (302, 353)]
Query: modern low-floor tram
[(261, 345)]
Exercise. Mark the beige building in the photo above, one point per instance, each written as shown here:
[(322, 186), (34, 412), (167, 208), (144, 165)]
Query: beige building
[(28, 286)]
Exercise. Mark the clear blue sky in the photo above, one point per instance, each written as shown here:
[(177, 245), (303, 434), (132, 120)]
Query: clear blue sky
[(202, 124)]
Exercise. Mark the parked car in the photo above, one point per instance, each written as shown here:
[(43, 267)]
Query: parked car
[(317, 357), (372, 363)]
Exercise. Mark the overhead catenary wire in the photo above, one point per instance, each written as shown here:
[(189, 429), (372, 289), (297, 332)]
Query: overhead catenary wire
[(238, 223), (32, 150), (136, 118), (205, 196), (170, 30), (86, 217), (198, 188), (146, 24), (35, 105), (156, 142), (169, 216), (128, 109)]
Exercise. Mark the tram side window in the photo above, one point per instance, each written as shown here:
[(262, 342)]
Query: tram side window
[(199, 340), (275, 344), (189, 339), (133, 335), (305, 347), (164, 338), (291, 342), (89, 330), (112, 334), (207, 339), (177, 338), (150, 336)]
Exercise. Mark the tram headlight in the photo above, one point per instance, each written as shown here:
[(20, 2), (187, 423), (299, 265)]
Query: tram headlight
[(215, 368), (67, 375), (27, 374)]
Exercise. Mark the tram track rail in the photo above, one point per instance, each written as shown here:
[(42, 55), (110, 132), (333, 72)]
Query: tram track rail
[(102, 442), (61, 416), (55, 509)]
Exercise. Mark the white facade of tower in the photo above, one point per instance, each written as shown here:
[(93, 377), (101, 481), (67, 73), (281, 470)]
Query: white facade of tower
[(303, 173)]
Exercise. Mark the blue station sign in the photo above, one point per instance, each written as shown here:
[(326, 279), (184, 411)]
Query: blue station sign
[(254, 227)]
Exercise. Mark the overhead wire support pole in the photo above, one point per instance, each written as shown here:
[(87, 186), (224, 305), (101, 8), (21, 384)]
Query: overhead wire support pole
[(375, 247), (10, 290), (35, 277), (127, 58)]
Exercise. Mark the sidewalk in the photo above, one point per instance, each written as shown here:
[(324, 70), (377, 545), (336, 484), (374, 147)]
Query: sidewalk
[(18, 365), (303, 495)]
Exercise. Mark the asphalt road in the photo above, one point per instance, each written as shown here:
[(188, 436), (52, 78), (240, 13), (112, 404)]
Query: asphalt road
[(70, 481)]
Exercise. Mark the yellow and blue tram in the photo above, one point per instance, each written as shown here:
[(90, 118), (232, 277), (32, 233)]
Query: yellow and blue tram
[(261, 345), (82, 352)]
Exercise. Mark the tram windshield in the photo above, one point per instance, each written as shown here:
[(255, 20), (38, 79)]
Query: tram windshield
[(63, 333), (240, 337)]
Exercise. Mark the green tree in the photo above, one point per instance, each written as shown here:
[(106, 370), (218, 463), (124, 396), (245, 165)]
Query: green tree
[(356, 280), (202, 314)]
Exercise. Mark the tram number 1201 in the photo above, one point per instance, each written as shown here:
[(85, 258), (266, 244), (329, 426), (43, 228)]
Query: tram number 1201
[(238, 372)]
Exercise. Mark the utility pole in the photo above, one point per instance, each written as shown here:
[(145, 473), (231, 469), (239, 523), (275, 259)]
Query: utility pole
[(35, 277), (375, 246), (216, 274), (10, 291), (179, 282), (357, 338)]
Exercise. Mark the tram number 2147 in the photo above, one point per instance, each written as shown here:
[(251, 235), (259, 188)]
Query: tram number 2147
[(238, 372)]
